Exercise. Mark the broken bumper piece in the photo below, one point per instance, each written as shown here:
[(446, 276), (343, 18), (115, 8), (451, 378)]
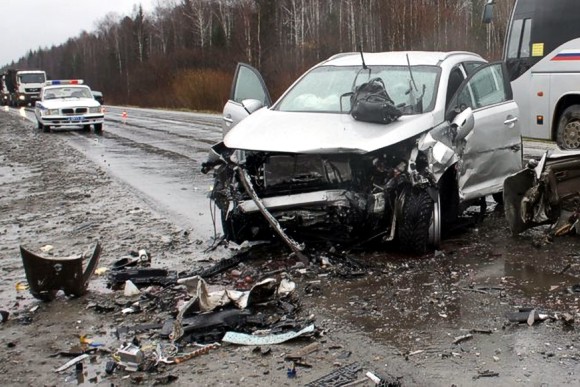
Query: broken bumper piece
[(47, 275), (142, 277), (337, 198)]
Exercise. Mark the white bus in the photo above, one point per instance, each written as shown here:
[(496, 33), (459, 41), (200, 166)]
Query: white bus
[(542, 54)]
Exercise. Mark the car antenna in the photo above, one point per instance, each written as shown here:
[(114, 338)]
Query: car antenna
[(362, 57)]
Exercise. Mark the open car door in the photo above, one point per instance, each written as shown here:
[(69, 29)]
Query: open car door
[(493, 149), (248, 94)]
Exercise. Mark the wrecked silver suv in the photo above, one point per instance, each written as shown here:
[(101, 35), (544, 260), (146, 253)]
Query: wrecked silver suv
[(305, 168)]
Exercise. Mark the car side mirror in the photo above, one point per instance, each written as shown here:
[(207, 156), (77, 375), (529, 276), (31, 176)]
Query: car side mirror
[(251, 105), (487, 15), (463, 124)]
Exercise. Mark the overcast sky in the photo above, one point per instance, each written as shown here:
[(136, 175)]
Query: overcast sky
[(29, 24)]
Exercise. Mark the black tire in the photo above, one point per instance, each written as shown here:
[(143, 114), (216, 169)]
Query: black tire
[(568, 134), (44, 296), (98, 128), (46, 128), (233, 229), (415, 221), (86, 128), (498, 197), (39, 125)]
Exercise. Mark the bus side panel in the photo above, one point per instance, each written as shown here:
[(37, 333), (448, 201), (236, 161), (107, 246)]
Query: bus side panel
[(522, 93), (540, 102)]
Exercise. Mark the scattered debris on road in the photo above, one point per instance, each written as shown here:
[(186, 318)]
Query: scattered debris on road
[(47, 275)]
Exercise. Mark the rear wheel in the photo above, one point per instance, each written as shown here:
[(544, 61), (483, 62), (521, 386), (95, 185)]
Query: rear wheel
[(568, 135), (420, 224)]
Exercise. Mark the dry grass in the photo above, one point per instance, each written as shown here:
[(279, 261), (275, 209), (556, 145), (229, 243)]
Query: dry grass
[(205, 89)]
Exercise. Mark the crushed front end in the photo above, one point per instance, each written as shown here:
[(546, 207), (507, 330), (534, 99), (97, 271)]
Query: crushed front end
[(335, 197)]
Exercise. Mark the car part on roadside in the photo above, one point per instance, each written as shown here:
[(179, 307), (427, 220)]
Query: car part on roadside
[(339, 377), (528, 315), (124, 262), (4, 316), (245, 339), (142, 277), (47, 275), (72, 362), (130, 357), (546, 192), (219, 267)]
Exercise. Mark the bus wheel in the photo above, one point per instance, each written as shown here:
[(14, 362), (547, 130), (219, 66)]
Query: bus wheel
[(568, 136)]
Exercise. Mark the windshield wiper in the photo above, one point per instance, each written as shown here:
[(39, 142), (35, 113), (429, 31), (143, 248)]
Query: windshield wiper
[(416, 102)]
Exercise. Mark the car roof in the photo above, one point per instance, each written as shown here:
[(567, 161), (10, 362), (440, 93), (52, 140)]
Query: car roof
[(395, 58)]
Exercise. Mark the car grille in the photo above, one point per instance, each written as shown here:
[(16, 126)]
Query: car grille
[(74, 111), (32, 90)]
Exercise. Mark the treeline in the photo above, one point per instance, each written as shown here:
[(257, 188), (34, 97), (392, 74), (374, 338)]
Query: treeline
[(183, 53)]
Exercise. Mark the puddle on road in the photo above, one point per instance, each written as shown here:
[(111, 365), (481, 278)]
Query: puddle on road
[(479, 277)]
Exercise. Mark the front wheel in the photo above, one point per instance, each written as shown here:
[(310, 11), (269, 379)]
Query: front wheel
[(420, 223), (235, 229), (46, 128), (568, 135), (39, 125), (98, 128)]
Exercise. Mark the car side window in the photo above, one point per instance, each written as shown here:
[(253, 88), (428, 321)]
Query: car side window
[(470, 67), (455, 79), (249, 86), (485, 88)]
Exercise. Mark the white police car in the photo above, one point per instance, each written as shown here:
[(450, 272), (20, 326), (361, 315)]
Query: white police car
[(68, 103)]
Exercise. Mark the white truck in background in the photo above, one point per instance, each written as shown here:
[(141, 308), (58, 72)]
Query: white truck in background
[(23, 86)]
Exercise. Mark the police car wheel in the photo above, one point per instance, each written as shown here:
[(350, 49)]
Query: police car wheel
[(98, 128), (46, 128), (86, 128), (38, 125)]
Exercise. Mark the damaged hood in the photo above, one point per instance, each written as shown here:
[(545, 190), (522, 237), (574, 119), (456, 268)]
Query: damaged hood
[(298, 132)]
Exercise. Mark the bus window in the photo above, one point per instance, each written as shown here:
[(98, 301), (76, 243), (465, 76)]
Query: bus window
[(526, 39), (520, 37)]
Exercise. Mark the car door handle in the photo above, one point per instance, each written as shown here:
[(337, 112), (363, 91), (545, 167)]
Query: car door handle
[(510, 121), (228, 120)]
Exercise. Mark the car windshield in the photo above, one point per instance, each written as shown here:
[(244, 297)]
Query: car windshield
[(328, 88), (67, 92), (32, 78)]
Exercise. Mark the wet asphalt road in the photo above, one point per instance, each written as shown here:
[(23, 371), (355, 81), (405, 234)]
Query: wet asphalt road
[(158, 154)]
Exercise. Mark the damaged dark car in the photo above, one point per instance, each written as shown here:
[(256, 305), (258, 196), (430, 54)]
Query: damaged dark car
[(546, 192), (307, 167)]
